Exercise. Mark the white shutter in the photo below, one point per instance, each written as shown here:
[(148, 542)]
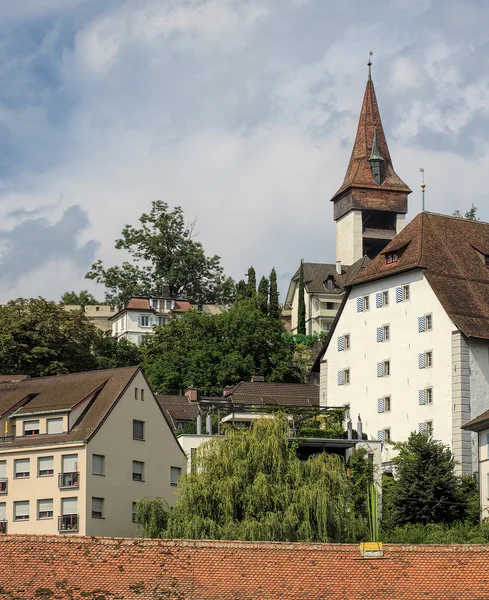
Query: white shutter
[(421, 360), (380, 335), (3, 468), (45, 505), (421, 397), (31, 425), (21, 509), (22, 465), (3, 511), (97, 505), (399, 294), (69, 506), (340, 377), (137, 467), (380, 435), (46, 463), (421, 427), (380, 405), (380, 369), (70, 463), (378, 299), (55, 425), (341, 343)]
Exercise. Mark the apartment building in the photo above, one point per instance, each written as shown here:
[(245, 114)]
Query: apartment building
[(98, 314), (79, 450)]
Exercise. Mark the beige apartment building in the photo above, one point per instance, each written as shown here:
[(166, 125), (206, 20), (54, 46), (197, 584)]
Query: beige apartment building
[(79, 450)]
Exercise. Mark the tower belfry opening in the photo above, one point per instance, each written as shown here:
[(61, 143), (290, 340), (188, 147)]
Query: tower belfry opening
[(370, 206)]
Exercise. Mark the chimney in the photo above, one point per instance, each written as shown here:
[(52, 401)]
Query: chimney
[(192, 393), (208, 423), (199, 424), (165, 290), (338, 267), (359, 428), (257, 378), (349, 429), (227, 391)]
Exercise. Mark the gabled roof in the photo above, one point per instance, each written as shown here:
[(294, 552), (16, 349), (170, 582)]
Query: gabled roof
[(358, 174), (315, 276), (275, 394), (177, 408), (478, 423), (451, 252), (139, 569)]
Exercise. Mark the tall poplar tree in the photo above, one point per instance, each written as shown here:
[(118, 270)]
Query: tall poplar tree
[(301, 307), (262, 298), (251, 282), (273, 304)]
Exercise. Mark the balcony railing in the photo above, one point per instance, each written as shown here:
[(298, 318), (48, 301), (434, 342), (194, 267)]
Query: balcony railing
[(3, 485), (69, 480), (327, 312), (68, 523), (6, 438), (3, 526)]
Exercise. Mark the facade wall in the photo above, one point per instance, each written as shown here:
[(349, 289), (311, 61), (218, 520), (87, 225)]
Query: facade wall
[(349, 241), (319, 317), (159, 451), (483, 454), (479, 385), (461, 392), (406, 379)]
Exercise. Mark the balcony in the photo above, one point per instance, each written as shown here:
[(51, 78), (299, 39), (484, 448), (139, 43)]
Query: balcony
[(327, 312), (69, 480), (68, 523), (3, 526), (3, 485), (6, 438)]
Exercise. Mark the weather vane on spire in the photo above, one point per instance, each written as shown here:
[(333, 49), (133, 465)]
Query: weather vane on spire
[(423, 187), (370, 54)]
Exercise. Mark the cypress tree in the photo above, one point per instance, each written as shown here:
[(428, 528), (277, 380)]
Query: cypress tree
[(251, 282), (301, 307), (273, 305), (262, 298), (241, 290)]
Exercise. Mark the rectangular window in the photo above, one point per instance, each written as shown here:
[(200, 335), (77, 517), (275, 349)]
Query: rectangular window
[(136, 394), (386, 333), (428, 428), (428, 322), (3, 513), (168, 304), (385, 298), (69, 506), (387, 434), (137, 470), (429, 395), (134, 512), (98, 464), (391, 257), (45, 509), (69, 463), (97, 508), (3, 469), (138, 430), (405, 293), (161, 320), (55, 425), (366, 303), (346, 376), (22, 468), (154, 303), (144, 321), (346, 339), (175, 473), (142, 395), (429, 359), (31, 427), (21, 510), (46, 466), (386, 368), (387, 404)]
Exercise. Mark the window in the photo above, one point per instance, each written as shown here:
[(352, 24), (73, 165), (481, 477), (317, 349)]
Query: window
[(144, 321), (346, 376), (366, 303), (134, 512), (3, 516), (69, 476), (68, 521), (154, 303), (137, 470), (97, 508), (347, 341), (405, 293), (385, 298), (168, 304), (387, 434), (386, 368), (138, 430), (428, 428), (46, 466), (429, 395), (31, 427), (428, 322), (122, 324), (45, 509), (55, 425), (330, 305), (329, 284), (175, 473), (22, 468), (21, 510), (383, 333), (387, 404), (3, 477), (98, 464), (428, 359), (136, 394), (142, 395), (391, 257), (161, 320)]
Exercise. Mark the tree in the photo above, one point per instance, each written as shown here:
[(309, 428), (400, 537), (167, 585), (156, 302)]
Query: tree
[(301, 307), (251, 285), (151, 516), (241, 290), (262, 297), (361, 477), (426, 488), (470, 215), (84, 298), (273, 305), (39, 337), (250, 485), (110, 353), (164, 252), (212, 351)]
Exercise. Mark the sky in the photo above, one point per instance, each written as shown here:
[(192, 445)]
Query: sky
[(243, 112)]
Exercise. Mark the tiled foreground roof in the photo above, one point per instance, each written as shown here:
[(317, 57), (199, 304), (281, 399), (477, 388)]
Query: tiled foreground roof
[(76, 568)]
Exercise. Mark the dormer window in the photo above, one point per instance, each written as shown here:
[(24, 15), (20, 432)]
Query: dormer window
[(31, 427), (391, 257), (329, 284)]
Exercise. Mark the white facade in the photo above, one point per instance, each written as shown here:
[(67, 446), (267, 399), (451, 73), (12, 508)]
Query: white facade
[(483, 438), (133, 325), (396, 385), (321, 309)]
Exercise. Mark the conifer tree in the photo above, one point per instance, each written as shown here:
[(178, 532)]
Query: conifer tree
[(273, 305), (262, 298), (301, 307), (251, 282), (241, 290)]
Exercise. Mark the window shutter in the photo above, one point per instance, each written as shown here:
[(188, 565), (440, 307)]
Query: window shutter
[(380, 435), (69, 506), (70, 462), (380, 369), (55, 425), (360, 304), (21, 508), (378, 299), (97, 505), (379, 334), (399, 294), (420, 324), (380, 405), (45, 505), (340, 377), (3, 511), (97, 464), (422, 360), (421, 427), (341, 343), (46, 463), (3, 468), (22, 465), (137, 467), (421, 398)]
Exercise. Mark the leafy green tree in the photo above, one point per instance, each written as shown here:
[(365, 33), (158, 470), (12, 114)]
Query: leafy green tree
[(361, 477), (470, 215), (241, 290), (84, 298), (251, 285), (110, 353), (301, 307), (212, 351), (426, 490), (273, 304), (164, 251), (151, 516), (39, 337), (251, 485), (262, 297)]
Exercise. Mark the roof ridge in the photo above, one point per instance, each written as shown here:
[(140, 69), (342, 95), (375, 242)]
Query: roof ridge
[(43, 377)]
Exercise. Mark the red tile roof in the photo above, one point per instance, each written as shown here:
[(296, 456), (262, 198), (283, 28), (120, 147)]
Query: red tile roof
[(77, 567), (182, 306)]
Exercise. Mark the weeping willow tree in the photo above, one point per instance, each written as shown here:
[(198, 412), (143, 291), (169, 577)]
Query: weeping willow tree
[(251, 485)]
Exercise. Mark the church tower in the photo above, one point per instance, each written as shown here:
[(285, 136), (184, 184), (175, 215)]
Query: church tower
[(371, 205)]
